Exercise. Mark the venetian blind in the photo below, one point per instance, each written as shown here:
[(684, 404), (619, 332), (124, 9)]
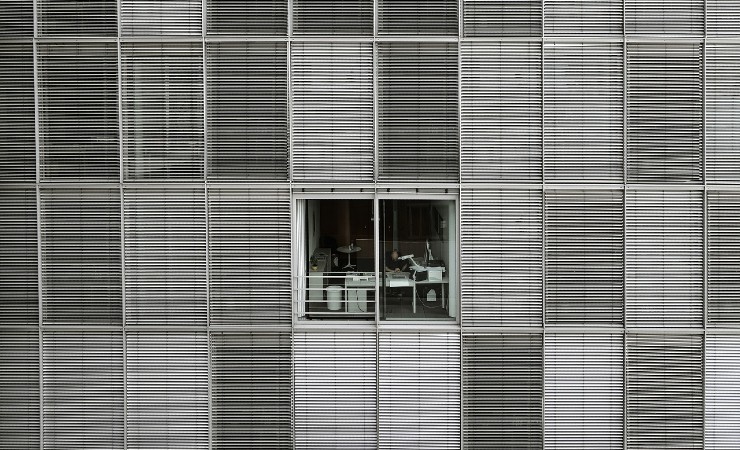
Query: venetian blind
[(77, 17), (723, 113), (722, 392), (583, 17), (333, 17), (17, 113), (19, 389), (417, 17), (252, 17), (501, 18), (723, 254), (161, 17)]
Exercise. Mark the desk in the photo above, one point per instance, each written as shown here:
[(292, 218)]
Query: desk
[(441, 284), (406, 281)]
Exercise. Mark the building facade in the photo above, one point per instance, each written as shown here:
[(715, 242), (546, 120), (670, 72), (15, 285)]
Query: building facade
[(359, 224)]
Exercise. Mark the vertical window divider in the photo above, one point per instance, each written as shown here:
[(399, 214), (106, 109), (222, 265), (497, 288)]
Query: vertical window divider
[(625, 130), (705, 221), (460, 36), (543, 219), (204, 12), (121, 177)]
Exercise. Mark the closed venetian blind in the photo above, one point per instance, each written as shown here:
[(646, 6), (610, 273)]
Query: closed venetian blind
[(723, 17), (723, 113), (17, 116), (161, 17), (332, 88), (417, 111), (16, 19), (502, 18), (247, 110), (674, 17), (250, 390), (83, 389), (253, 17), (723, 253), (501, 257), (249, 256), (78, 111), (501, 111), (338, 17), (19, 389), (722, 392), (81, 256), (583, 17), (664, 391), (165, 256), (417, 17), (419, 391), (335, 390), (502, 391), (77, 17)]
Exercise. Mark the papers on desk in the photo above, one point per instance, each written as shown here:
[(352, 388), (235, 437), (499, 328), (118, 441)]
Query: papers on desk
[(398, 279)]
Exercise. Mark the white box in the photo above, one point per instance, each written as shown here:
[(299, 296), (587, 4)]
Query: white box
[(435, 273)]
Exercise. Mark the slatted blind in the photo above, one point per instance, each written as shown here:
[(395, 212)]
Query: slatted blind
[(249, 256), (664, 112), (166, 390), (723, 113), (723, 17), (19, 301), (250, 390), (419, 391), (501, 257), (83, 389), (584, 112), (162, 110), (583, 17), (664, 258), (502, 18), (19, 389), (247, 110), (17, 116), (78, 111), (417, 17), (501, 111), (584, 391), (664, 391), (584, 261), (16, 19), (165, 256), (723, 253), (161, 17), (672, 17), (81, 256), (77, 17), (335, 390), (265, 17), (417, 111), (722, 392), (337, 17), (333, 137), (502, 391)]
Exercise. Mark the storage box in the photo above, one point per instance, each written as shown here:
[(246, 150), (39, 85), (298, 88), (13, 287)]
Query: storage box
[(435, 273)]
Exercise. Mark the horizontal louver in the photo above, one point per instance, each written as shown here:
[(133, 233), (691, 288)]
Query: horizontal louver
[(417, 17), (77, 17), (165, 256), (583, 17), (722, 391), (501, 257), (250, 390), (17, 116), (584, 112), (78, 111), (161, 17), (502, 18), (19, 301), (81, 256), (249, 256), (502, 391), (16, 19), (664, 113), (335, 390), (723, 113), (338, 17), (83, 390), (419, 391), (674, 17), (723, 17), (501, 111), (247, 110), (332, 88), (162, 110), (19, 389), (664, 392), (166, 390), (266, 17), (723, 253)]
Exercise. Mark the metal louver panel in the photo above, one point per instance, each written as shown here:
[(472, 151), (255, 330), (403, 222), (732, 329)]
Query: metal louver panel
[(19, 296), (584, 112), (723, 254), (334, 390), (502, 391), (81, 256), (419, 391), (336, 17), (17, 113), (251, 390), (584, 389), (583, 17), (161, 17), (166, 390), (722, 392), (83, 389), (19, 389), (77, 17), (723, 17), (266, 17), (723, 113), (332, 88), (664, 391), (501, 116), (665, 113), (502, 18), (664, 258), (501, 257), (585, 247), (78, 111), (417, 111), (16, 19), (417, 17), (247, 116), (162, 110), (165, 256), (674, 17), (249, 256)]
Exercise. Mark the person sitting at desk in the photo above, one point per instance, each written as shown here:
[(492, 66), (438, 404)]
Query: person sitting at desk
[(394, 264)]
